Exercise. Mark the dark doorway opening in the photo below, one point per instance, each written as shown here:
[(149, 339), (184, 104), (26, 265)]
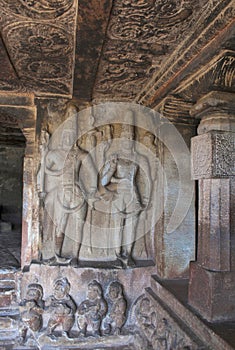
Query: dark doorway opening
[(12, 150)]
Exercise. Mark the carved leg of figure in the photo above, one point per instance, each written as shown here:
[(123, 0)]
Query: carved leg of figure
[(23, 334), (79, 229), (59, 240), (52, 324), (117, 240), (95, 328), (67, 326), (128, 240), (82, 325)]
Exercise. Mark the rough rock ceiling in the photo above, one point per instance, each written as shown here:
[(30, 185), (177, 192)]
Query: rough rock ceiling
[(104, 49)]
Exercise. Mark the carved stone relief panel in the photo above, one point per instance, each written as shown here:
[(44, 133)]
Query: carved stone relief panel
[(96, 187), (160, 330), (209, 21), (102, 189), (66, 311)]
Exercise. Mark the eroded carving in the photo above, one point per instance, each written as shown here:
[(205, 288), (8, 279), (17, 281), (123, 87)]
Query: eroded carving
[(92, 311), (31, 309), (67, 193), (213, 155), (96, 192), (116, 317), (120, 189), (35, 9), (35, 41), (62, 308), (147, 31), (157, 328)]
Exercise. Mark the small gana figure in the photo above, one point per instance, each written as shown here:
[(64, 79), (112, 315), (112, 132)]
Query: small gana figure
[(92, 311), (116, 317), (31, 309), (62, 308), (146, 317)]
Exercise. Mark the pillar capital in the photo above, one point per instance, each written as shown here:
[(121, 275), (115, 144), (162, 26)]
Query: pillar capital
[(216, 111)]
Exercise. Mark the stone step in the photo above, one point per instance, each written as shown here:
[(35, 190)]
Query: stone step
[(12, 311), (8, 274), (170, 296), (7, 285)]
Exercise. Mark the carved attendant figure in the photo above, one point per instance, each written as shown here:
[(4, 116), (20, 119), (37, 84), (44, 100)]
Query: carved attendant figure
[(31, 309), (66, 201), (62, 308), (121, 189), (92, 310), (116, 318)]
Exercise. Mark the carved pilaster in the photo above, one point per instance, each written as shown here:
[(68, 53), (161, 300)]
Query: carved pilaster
[(212, 278)]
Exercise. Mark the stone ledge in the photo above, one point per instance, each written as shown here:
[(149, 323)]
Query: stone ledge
[(206, 332)]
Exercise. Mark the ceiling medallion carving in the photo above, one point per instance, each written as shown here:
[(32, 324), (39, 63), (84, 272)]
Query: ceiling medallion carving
[(36, 50), (37, 39), (146, 20), (41, 47), (140, 34), (39, 9)]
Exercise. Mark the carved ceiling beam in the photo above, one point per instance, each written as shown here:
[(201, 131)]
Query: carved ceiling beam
[(193, 54), (92, 21), (218, 74)]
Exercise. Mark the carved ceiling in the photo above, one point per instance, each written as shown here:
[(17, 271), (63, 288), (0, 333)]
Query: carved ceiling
[(138, 50)]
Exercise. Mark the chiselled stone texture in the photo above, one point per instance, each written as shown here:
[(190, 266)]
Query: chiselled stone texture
[(209, 21), (212, 275), (169, 299), (79, 308), (217, 73), (139, 36), (18, 111), (39, 38), (9, 310), (211, 293), (213, 155)]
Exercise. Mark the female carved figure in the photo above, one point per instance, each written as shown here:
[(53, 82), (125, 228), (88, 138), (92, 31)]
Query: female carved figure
[(66, 199)]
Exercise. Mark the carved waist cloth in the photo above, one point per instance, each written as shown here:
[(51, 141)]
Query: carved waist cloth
[(69, 198), (126, 202)]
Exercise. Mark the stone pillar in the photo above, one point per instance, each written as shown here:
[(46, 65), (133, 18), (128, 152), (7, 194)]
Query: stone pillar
[(212, 276)]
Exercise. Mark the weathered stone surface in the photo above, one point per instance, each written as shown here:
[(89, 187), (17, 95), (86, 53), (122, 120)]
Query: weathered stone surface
[(40, 43), (172, 296), (211, 293), (213, 155), (212, 276)]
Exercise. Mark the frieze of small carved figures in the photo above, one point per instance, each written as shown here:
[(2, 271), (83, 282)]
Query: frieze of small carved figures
[(158, 330), (31, 309), (92, 311), (95, 316), (62, 309)]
